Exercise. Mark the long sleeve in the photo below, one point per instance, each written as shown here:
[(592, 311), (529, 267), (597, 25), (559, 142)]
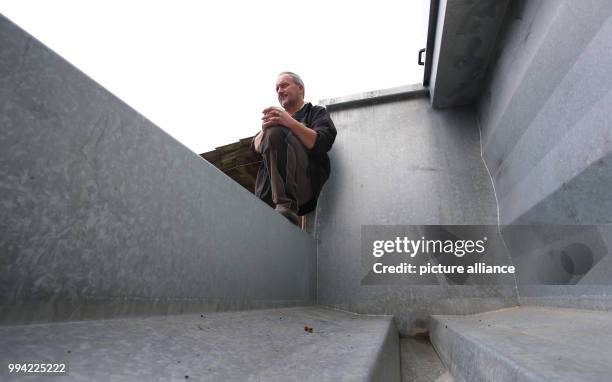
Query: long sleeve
[(326, 132)]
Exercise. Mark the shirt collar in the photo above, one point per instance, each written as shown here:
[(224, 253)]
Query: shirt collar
[(301, 109)]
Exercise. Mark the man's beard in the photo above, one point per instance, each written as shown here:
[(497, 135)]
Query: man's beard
[(291, 103)]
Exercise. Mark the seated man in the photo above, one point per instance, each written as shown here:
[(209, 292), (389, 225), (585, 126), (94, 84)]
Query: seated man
[(293, 141)]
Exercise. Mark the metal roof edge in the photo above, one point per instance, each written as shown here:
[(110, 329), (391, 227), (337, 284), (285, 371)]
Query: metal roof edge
[(375, 97), (431, 38)]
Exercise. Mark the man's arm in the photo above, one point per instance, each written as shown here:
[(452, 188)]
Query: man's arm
[(325, 131), (306, 135), (276, 116)]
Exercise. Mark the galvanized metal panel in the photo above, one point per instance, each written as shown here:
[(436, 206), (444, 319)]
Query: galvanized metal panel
[(103, 214), (402, 163)]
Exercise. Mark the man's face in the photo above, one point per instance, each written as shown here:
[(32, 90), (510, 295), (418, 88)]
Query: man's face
[(288, 92)]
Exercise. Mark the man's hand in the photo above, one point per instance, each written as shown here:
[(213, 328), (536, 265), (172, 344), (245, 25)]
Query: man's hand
[(274, 116)]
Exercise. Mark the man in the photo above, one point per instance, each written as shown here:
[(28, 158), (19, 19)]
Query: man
[(293, 142)]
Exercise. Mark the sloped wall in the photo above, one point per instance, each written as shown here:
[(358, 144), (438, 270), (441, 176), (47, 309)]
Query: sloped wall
[(544, 117), (103, 214), (547, 136)]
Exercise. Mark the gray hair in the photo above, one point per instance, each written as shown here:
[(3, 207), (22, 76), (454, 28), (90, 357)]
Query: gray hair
[(296, 79)]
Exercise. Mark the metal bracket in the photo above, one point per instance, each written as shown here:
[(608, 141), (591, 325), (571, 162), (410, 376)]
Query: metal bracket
[(421, 60)]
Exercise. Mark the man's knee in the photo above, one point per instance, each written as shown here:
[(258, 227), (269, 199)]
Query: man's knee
[(274, 137)]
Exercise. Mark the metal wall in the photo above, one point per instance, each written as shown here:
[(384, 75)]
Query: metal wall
[(103, 214), (547, 138), (397, 161)]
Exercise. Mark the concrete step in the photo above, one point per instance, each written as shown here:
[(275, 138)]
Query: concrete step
[(420, 362), (526, 344), (259, 345)]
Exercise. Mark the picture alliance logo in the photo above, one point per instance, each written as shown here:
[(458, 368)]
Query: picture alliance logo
[(411, 247)]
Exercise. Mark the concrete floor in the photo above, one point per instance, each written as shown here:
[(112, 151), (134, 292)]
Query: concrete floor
[(526, 344), (261, 345)]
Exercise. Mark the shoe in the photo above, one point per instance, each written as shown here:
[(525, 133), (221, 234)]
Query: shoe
[(288, 213)]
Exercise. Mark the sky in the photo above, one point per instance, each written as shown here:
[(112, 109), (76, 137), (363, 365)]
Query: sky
[(204, 70)]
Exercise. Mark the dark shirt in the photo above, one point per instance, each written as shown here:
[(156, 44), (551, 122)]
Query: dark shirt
[(318, 119)]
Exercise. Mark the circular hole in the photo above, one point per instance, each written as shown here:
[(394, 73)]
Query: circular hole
[(577, 259)]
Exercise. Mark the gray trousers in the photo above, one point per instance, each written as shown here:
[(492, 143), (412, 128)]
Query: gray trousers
[(284, 178)]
